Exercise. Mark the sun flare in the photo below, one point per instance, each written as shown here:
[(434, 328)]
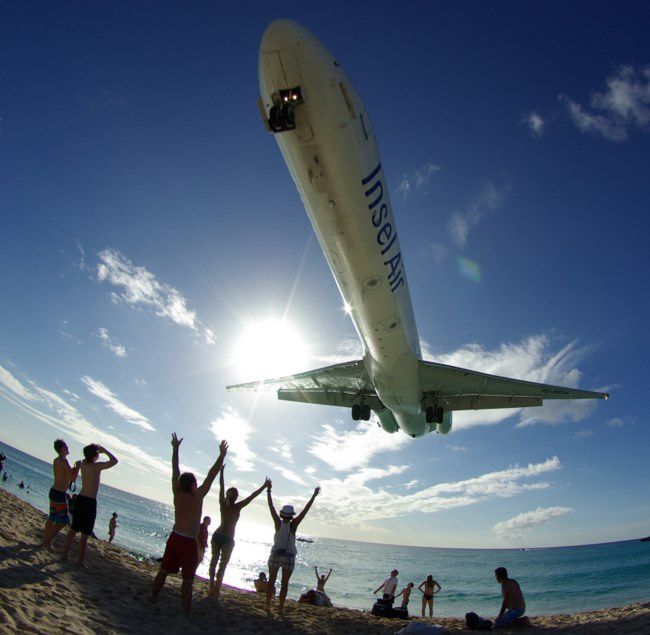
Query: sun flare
[(270, 348)]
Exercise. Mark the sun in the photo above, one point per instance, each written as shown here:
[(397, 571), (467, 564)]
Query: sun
[(270, 348)]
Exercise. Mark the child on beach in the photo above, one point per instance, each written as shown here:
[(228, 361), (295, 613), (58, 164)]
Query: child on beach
[(283, 552), (406, 594), (63, 476), (513, 606), (223, 539), (85, 510), (202, 537), (389, 586), (261, 584), (112, 526), (428, 592), (321, 580), (181, 551)]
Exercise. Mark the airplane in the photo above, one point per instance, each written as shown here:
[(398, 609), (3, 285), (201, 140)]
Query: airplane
[(328, 143)]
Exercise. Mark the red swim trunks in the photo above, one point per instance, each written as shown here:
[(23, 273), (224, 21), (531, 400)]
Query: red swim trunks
[(181, 553)]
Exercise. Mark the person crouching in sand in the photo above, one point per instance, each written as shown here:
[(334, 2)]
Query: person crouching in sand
[(513, 606), (181, 551), (63, 475), (223, 539), (85, 510), (283, 552)]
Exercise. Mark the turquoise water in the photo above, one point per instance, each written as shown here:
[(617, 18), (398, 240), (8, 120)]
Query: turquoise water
[(557, 580)]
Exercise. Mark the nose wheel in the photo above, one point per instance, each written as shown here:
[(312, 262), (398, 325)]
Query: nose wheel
[(360, 412)]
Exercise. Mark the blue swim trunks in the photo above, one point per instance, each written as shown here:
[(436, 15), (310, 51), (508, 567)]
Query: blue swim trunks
[(508, 617), (58, 508)]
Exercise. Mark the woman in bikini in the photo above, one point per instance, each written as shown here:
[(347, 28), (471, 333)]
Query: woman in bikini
[(428, 592), (223, 539)]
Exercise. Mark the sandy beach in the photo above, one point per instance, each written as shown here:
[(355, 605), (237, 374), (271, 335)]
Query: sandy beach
[(39, 594)]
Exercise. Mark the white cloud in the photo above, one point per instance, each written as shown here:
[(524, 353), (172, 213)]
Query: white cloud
[(288, 474), (343, 351), (412, 484), (616, 422), (622, 108), (416, 180), (50, 408), (12, 384), (458, 448), (350, 501), (527, 521), (232, 427), (140, 287), (489, 199), (346, 450), (310, 470), (283, 448), (130, 415), (535, 123), (584, 434), (111, 343)]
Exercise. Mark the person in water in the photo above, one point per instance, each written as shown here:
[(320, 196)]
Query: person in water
[(389, 586), (406, 594), (428, 592), (85, 511), (261, 584), (223, 539), (181, 551), (283, 552), (513, 606), (63, 475), (321, 580), (112, 526), (202, 538)]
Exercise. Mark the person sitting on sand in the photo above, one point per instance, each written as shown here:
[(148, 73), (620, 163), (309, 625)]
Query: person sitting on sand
[(389, 586), (181, 550), (85, 509), (406, 594), (428, 592), (63, 476), (223, 539), (513, 606), (261, 584), (202, 537), (283, 552), (321, 580), (112, 526)]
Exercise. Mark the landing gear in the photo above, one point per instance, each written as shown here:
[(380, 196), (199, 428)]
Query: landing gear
[(434, 415), (361, 411), (282, 117)]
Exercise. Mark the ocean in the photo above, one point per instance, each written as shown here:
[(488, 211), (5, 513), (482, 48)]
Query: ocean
[(554, 580)]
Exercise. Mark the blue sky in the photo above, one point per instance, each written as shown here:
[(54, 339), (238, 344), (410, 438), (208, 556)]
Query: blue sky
[(150, 226)]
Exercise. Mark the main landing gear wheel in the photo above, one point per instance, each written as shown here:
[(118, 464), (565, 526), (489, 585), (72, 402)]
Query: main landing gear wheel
[(275, 119), (434, 415), (288, 116), (361, 411)]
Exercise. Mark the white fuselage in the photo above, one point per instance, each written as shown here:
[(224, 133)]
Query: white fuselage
[(334, 160)]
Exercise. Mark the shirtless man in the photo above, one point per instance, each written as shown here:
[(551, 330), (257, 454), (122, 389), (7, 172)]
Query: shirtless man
[(112, 526), (85, 510), (223, 539), (321, 580), (63, 476), (181, 551), (513, 606), (406, 594)]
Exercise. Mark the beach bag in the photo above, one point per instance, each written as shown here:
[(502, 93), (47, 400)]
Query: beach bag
[(381, 608), (477, 623), (400, 612)]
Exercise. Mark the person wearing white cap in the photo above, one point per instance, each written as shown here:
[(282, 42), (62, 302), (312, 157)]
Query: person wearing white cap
[(283, 552)]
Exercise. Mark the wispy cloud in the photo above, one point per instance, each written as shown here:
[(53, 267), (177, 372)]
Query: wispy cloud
[(52, 409), (343, 351), (623, 107), (15, 386), (584, 434), (412, 484), (139, 287), (345, 450), (488, 200), (287, 473), (282, 447), (535, 123), (616, 422), (417, 179), (111, 343), (350, 501), (237, 431), (130, 415), (521, 524)]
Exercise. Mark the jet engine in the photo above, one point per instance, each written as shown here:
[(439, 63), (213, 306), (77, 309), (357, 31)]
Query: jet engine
[(445, 426)]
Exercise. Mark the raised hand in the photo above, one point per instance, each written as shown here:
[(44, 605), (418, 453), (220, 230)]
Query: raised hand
[(223, 448), (317, 491), (100, 449), (267, 483), (176, 441)]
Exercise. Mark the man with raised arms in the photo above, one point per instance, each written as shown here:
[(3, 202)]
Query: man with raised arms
[(181, 551), (63, 475)]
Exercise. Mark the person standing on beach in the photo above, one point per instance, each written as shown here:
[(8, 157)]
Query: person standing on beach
[(85, 510), (428, 592), (389, 586), (3, 458), (202, 537), (112, 526), (406, 594), (223, 539), (513, 606), (321, 580), (181, 551), (283, 552), (63, 475)]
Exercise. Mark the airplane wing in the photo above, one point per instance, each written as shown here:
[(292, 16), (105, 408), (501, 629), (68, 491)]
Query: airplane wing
[(462, 389), (337, 385)]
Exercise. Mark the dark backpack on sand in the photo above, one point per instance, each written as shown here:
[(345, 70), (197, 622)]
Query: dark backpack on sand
[(477, 623)]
